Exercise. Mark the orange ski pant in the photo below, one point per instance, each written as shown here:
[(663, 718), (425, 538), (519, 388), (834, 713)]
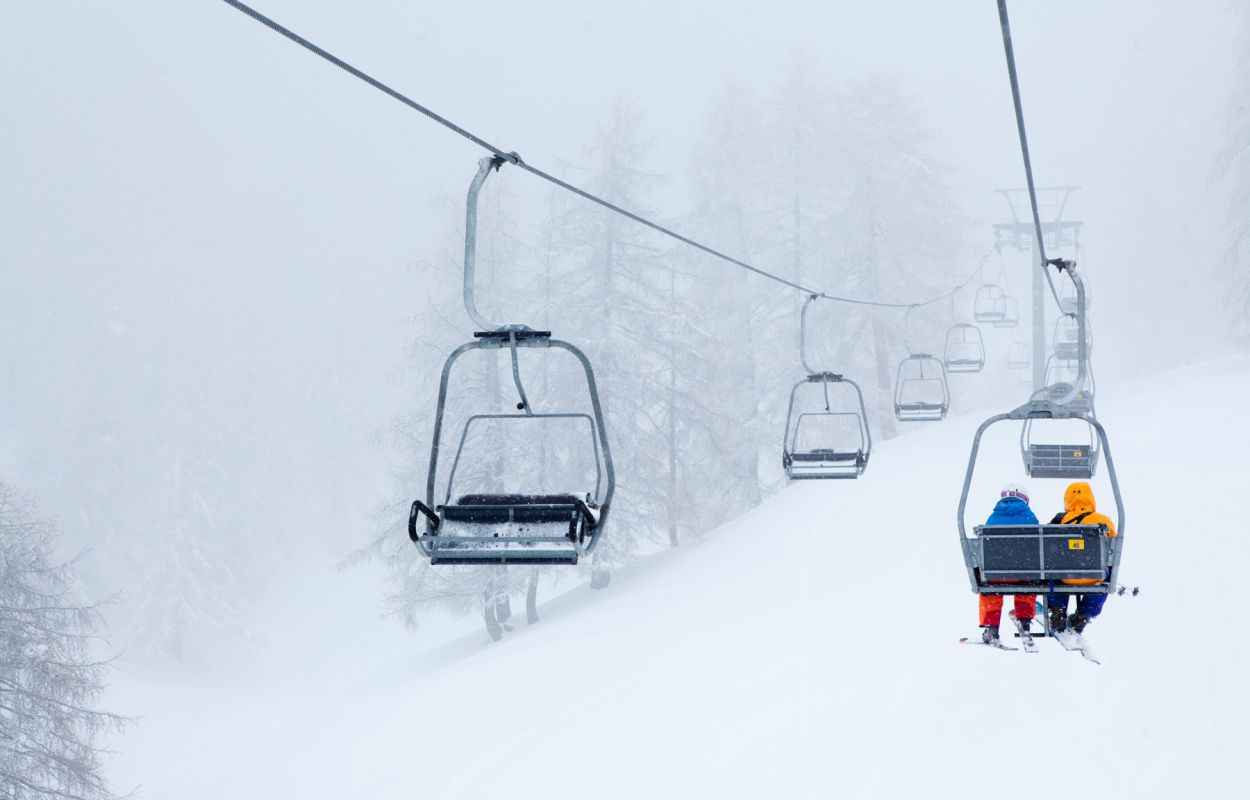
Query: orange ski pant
[(990, 607)]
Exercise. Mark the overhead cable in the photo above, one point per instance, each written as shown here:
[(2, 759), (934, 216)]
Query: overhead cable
[(513, 158), (1024, 149)]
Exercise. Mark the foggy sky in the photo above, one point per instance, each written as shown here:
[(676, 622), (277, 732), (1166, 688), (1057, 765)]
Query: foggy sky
[(184, 185)]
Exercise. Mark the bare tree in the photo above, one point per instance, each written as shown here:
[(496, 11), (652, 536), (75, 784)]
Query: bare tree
[(49, 684)]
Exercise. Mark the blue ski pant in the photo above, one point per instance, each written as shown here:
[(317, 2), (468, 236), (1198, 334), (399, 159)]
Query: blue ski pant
[(1089, 605)]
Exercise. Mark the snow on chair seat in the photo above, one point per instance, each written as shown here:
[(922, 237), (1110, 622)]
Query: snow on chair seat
[(824, 463), (1033, 556), (486, 528)]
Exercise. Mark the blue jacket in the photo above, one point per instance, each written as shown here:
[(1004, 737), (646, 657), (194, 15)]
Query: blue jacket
[(1012, 511)]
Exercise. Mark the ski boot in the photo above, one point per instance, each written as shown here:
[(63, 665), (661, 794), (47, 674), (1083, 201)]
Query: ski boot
[(1058, 619), (989, 634), (1078, 621)]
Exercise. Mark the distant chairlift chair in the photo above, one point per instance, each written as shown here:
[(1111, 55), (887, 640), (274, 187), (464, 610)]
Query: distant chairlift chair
[(965, 349), (921, 392), (1060, 375), (990, 304), (1011, 313), (1019, 356), (1066, 336)]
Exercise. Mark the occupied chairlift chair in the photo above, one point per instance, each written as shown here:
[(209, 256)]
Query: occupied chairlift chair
[(514, 528), (829, 455), (1035, 557)]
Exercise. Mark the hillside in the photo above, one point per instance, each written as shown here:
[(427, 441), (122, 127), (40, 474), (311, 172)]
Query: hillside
[(807, 649)]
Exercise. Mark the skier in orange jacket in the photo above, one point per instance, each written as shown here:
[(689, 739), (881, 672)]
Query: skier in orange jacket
[(1078, 509)]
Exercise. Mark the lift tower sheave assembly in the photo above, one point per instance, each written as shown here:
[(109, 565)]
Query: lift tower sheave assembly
[(1060, 234)]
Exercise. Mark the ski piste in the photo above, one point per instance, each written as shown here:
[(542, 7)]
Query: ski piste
[(995, 645), (1026, 638), (1071, 640)]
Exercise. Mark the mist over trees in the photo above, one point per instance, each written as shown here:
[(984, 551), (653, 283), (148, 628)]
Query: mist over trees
[(49, 683), (836, 187)]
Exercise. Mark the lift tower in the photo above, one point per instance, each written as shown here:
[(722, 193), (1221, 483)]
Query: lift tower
[(1060, 234)]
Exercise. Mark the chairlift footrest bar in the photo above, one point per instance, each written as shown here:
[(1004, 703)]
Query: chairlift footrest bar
[(526, 334)]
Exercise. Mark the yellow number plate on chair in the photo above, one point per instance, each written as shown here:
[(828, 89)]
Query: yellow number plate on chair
[(1076, 453), (1076, 544)]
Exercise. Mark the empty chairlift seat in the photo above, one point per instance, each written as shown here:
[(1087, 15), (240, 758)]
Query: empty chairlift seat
[(965, 349), (1011, 313), (1067, 297), (517, 527), (830, 439), (990, 304), (1070, 461), (1019, 356), (921, 393), (1067, 337), (1060, 375)]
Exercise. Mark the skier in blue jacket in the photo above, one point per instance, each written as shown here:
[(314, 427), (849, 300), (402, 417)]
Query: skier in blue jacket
[(1012, 509)]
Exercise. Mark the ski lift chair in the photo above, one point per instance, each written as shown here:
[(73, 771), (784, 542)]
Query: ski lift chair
[(516, 527), (1067, 297), (1071, 461), (1067, 336), (1033, 557), (1060, 375), (921, 393), (526, 527), (965, 349), (844, 455), (1019, 356), (989, 304), (1011, 313)]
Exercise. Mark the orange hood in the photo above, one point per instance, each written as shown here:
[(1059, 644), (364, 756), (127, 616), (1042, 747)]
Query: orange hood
[(1079, 499)]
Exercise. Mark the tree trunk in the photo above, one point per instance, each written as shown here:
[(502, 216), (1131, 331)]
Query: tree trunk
[(531, 599)]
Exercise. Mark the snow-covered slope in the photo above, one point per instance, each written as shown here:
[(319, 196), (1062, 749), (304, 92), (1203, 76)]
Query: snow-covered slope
[(808, 649)]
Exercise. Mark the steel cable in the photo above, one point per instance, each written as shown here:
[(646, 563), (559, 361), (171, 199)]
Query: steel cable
[(515, 159)]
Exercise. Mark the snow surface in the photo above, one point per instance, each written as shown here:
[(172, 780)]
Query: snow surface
[(807, 649)]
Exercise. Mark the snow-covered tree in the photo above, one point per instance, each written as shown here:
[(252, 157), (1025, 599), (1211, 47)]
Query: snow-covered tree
[(49, 684)]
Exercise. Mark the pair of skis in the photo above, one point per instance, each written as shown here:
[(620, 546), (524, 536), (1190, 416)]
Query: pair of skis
[(1068, 639)]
